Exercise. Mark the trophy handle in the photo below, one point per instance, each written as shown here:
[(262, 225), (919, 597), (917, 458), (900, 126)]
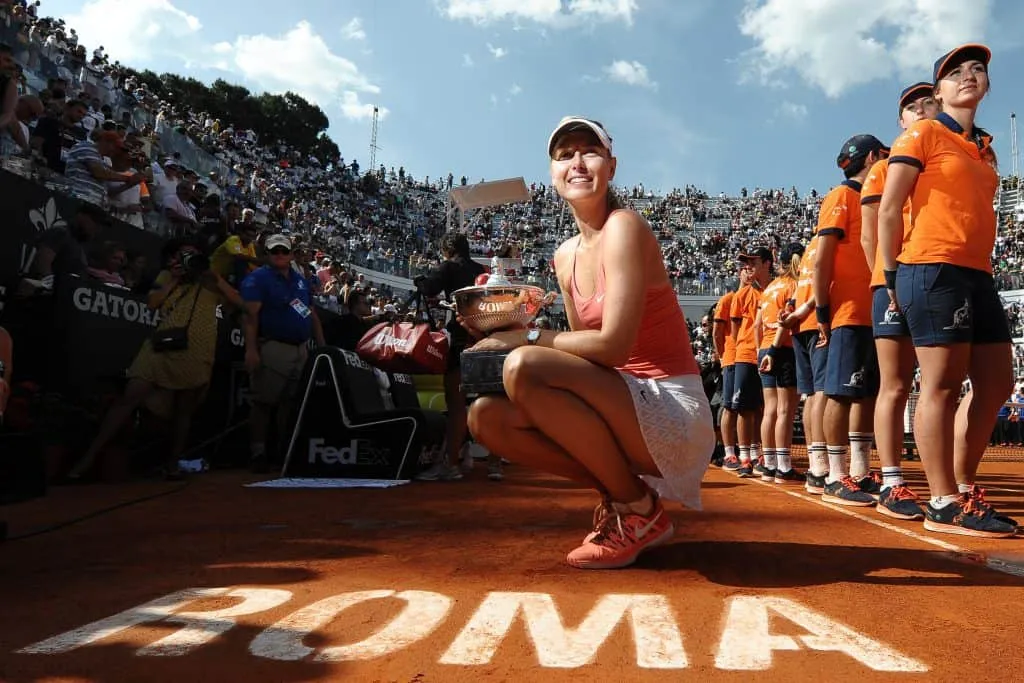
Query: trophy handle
[(448, 306)]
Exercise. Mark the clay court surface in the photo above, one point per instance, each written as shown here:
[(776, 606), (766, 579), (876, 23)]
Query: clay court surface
[(464, 581)]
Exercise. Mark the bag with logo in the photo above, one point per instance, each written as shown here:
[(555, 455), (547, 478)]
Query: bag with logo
[(410, 348), (175, 338)]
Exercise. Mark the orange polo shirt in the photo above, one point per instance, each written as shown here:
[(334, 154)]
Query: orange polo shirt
[(952, 219), (744, 312), (850, 290), (723, 316), (804, 285), (773, 302), (871, 193)]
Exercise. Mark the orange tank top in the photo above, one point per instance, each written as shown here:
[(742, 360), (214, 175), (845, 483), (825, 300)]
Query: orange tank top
[(662, 347)]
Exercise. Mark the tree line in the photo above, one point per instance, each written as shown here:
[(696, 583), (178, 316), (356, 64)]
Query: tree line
[(287, 118)]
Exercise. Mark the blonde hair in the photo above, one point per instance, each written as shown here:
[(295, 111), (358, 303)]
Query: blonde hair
[(792, 271)]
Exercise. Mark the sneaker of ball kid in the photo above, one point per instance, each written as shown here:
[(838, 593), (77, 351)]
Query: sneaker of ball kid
[(745, 471), (845, 491), (731, 463), (815, 485), (899, 502), (977, 494), (789, 477), (440, 471), (966, 518), (871, 483), (621, 537)]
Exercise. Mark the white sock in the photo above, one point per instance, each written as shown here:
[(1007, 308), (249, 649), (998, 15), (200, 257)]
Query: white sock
[(836, 463), (860, 454), (964, 488), (782, 455), (892, 476), (755, 452), (939, 502), (730, 451), (770, 461), (745, 455), (819, 459)]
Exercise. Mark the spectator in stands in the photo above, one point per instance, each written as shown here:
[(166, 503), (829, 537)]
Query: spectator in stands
[(177, 361), (458, 270), (236, 257), (56, 134), (280, 321), (15, 138), (86, 170), (618, 397), (178, 209)]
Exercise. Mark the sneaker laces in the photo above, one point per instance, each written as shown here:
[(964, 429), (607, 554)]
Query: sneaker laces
[(972, 506), (848, 482), (609, 531), (903, 492), (601, 511), (874, 476)]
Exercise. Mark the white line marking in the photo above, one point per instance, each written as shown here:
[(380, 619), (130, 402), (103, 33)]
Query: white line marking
[(980, 558)]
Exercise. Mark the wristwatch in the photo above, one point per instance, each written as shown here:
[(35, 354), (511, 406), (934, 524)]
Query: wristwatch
[(532, 337)]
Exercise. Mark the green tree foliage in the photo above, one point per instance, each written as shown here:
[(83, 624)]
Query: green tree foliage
[(288, 118)]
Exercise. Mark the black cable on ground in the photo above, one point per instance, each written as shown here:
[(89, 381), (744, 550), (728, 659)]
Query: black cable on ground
[(128, 503)]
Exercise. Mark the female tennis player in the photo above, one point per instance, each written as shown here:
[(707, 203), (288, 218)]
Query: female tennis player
[(616, 403)]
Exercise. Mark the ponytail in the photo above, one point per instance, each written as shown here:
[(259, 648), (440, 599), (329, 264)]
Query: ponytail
[(793, 268)]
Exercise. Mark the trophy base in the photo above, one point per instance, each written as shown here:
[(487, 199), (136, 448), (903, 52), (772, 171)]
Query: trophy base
[(481, 372)]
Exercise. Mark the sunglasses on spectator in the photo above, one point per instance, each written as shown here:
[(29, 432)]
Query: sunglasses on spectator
[(278, 251)]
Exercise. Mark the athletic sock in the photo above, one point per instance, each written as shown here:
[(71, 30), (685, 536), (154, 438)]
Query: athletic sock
[(770, 461), (860, 454), (756, 453), (939, 502), (819, 459), (836, 463), (785, 461), (745, 455), (730, 451), (964, 488), (892, 476)]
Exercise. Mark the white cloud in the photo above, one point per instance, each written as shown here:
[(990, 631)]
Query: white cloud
[(353, 30), (515, 90), (144, 29), (496, 52), (792, 110), (467, 60), (629, 73), (302, 62), (494, 100), (546, 12), (835, 45)]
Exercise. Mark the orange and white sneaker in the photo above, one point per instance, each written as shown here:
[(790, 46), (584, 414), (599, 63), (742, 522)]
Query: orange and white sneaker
[(621, 537)]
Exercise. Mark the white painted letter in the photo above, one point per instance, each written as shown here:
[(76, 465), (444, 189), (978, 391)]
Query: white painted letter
[(423, 613), (659, 644), (200, 627), (747, 644)]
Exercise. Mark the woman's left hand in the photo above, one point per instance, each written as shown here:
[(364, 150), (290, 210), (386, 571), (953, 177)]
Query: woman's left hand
[(501, 341)]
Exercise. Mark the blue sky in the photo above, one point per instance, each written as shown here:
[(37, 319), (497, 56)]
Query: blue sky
[(717, 93)]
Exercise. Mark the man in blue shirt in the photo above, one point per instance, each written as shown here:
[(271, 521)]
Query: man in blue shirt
[(280, 321)]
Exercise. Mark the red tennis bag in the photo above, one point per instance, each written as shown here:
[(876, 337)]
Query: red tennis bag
[(409, 348)]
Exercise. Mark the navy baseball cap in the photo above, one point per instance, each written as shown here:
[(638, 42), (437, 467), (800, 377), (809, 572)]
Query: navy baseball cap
[(958, 56), (790, 250), (858, 147), (913, 92), (753, 251)]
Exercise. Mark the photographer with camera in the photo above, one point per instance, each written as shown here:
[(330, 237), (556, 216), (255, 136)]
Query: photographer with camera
[(176, 363)]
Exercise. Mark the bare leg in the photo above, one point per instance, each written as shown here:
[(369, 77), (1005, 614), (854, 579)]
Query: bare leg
[(943, 369), (991, 373), (135, 393), (896, 368)]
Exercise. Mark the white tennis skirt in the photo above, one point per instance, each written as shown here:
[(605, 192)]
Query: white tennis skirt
[(675, 418)]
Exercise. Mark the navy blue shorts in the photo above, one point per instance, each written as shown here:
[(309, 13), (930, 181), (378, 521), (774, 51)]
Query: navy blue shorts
[(746, 391), (728, 382), (946, 304), (819, 359), (852, 370), (783, 374), (804, 372), (886, 324)]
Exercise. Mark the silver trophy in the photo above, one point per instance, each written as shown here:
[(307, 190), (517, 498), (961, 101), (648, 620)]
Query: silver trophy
[(496, 306)]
